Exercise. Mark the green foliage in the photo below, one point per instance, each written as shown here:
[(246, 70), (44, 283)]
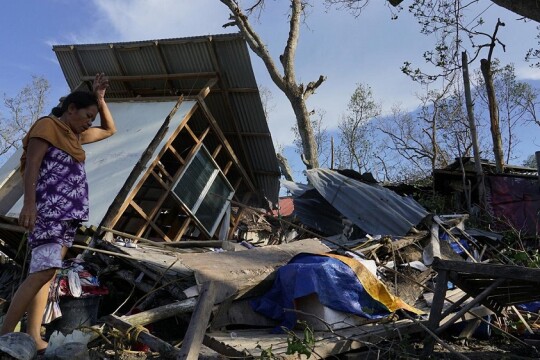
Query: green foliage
[(295, 344), (266, 354), (355, 149), (304, 346), (434, 203), (529, 258)]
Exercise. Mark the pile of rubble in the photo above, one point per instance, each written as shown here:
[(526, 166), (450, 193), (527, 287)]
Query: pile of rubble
[(393, 281)]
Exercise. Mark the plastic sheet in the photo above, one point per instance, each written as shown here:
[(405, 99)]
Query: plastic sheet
[(335, 283)]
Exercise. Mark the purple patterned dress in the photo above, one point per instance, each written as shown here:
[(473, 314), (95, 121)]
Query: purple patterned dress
[(61, 193)]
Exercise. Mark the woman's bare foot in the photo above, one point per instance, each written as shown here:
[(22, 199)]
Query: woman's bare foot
[(41, 345)]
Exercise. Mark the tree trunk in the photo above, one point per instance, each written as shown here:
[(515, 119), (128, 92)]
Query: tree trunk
[(296, 92), (472, 126), (485, 66), (305, 130)]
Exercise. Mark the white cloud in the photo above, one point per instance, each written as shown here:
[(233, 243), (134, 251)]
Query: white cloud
[(154, 19), (527, 73)]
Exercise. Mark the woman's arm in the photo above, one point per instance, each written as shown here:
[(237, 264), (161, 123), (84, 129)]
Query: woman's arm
[(107, 127), (34, 156)]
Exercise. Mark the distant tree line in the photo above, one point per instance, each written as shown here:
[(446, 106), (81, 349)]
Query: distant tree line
[(406, 144)]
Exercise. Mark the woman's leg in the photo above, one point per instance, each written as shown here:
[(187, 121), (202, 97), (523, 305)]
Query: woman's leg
[(36, 309), (25, 295)]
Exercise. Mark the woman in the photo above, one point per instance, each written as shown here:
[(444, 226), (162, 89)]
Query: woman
[(55, 195)]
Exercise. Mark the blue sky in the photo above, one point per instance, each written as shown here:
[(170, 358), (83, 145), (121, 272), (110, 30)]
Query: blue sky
[(369, 49)]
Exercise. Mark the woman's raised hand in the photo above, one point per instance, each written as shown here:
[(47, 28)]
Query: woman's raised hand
[(101, 83)]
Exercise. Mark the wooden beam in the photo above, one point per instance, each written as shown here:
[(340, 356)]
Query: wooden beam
[(195, 244), (121, 68), (224, 140), (148, 220), (229, 108), (493, 270), (162, 312), (146, 93), (133, 237), (198, 323), (248, 134), (155, 77), (203, 93), (176, 155), (163, 64), (16, 228), (468, 306)]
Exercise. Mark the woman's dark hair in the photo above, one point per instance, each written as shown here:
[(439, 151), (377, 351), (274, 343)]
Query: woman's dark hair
[(81, 100)]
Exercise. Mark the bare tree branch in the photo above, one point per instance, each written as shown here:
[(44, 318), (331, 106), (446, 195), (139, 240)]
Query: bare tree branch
[(286, 82)]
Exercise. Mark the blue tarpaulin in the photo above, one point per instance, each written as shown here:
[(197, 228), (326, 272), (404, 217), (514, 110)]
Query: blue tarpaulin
[(335, 283)]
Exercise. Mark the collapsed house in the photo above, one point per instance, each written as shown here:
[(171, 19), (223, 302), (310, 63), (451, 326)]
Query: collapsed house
[(192, 155), (192, 138)]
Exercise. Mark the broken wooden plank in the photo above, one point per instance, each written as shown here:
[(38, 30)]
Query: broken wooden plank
[(161, 312), (511, 272), (160, 266), (198, 323), (142, 335)]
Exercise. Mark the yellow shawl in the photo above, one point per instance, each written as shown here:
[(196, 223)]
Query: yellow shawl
[(56, 133)]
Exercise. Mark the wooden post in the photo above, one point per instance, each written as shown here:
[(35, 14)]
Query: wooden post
[(436, 309), (198, 323)]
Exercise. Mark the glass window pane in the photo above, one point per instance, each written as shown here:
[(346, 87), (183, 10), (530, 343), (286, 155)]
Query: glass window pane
[(214, 202), (193, 181)]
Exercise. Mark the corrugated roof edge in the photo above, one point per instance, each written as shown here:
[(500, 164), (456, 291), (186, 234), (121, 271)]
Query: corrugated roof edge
[(211, 37)]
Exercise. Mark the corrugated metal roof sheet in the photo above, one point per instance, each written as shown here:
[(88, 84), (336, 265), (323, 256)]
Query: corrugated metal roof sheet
[(373, 208), (234, 101)]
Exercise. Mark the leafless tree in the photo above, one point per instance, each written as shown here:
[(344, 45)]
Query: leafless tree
[(297, 93), (21, 111), (515, 101), (455, 34), (419, 139), (267, 101), (356, 131)]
